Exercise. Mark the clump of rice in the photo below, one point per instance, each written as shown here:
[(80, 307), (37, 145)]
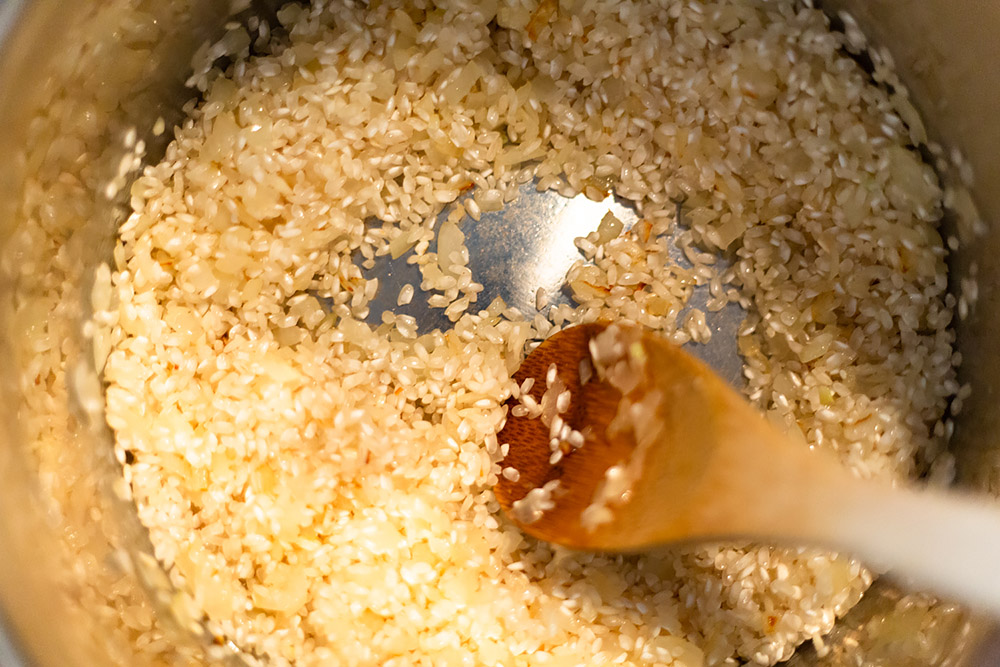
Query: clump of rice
[(530, 509), (619, 357), (321, 488)]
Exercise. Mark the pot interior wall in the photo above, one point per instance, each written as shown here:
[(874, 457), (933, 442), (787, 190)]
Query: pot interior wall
[(945, 53)]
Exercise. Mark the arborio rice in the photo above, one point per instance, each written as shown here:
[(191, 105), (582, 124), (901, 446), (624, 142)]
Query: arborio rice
[(319, 489)]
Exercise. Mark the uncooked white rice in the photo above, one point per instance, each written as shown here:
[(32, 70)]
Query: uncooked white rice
[(405, 295), (321, 489)]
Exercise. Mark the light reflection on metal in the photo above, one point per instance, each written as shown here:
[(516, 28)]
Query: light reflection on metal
[(530, 244)]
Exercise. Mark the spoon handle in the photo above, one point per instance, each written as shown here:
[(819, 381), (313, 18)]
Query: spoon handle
[(944, 541), (947, 543)]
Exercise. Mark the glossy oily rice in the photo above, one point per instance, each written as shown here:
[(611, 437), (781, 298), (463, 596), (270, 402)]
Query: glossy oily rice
[(319, 489)]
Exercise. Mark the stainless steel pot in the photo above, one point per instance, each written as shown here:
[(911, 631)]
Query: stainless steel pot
[(77, 585)]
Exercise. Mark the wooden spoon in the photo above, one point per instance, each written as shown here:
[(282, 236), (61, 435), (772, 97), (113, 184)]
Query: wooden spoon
[(711, 467)]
